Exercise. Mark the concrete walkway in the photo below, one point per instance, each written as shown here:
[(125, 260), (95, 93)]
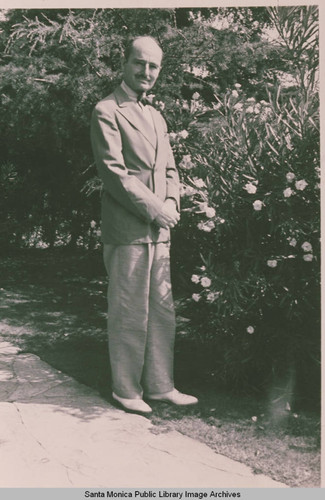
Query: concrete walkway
[(55, 432)]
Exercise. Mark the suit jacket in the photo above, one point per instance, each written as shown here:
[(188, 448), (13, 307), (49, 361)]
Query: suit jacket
[(136, 165)]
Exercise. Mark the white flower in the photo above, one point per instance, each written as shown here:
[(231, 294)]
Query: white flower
[(300, 185), (220, 220), (160, 105), (203, 268), (250, 329), (288, 192), (238, 106), (237, 86), (186, 162), (196, 297), (306, 246), (308, 257), (272, 263), (199, 183), (257, 109), (210, 224), (292, 242), (183, 133), (211, 297), (195, 278), (202, 206), (207, 228), (251, 99), (258, 204), (234, 93), (187, 158), (185, 105), (267, 110), (205, 282), (93, 224), (210, 212), (199, 71), (250, 188), (250, 109), (200, 226), (187, 190), (254, 419), (172, 136), (196, 96)]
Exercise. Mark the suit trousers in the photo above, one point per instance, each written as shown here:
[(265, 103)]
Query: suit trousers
[(141, 318)]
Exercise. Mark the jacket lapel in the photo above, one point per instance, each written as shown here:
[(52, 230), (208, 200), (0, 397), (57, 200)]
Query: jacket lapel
[(133, 113)]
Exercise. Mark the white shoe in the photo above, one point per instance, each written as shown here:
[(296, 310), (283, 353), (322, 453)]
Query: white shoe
[(133, 405), (175, 397)]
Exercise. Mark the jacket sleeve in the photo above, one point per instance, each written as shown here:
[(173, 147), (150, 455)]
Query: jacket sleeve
[(126, 189), (172, 177)]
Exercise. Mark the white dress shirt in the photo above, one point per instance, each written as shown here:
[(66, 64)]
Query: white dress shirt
[(133, 96)]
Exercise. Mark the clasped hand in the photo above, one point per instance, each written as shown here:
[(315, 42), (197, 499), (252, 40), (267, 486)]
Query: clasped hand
[(169, 215)]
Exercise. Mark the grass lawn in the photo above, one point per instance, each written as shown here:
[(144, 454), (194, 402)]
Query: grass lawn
[(53, 304)]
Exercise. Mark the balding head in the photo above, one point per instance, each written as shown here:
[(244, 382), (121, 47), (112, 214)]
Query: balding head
[(142, 63), (140, 41)]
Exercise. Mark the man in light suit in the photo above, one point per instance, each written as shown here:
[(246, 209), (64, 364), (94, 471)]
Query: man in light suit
[(140, 203)]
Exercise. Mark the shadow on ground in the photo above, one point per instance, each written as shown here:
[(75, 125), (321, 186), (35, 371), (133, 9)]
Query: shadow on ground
[(53, 304)]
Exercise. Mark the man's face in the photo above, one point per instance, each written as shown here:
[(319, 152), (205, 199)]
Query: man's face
[(142, 68)]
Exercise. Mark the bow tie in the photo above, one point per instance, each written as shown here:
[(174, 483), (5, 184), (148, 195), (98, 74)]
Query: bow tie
[(143, 99)]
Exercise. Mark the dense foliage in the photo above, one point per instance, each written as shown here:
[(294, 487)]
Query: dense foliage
[(250, 170), (239, 92)]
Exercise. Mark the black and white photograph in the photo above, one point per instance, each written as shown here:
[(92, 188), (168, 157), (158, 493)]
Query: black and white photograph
[(160, 250)]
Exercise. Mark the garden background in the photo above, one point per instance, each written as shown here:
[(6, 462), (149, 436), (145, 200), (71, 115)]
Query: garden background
[(239, 91)]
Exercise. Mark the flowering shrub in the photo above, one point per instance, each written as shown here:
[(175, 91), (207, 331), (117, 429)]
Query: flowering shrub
[(250, 191)]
